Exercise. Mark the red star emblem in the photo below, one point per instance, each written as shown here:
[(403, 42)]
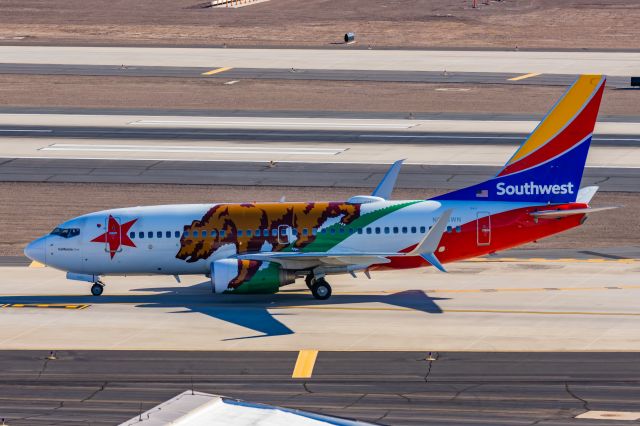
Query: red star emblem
[(116, 235)]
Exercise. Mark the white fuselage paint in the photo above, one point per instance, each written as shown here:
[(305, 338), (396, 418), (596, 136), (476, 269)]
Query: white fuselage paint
[(157, 255)]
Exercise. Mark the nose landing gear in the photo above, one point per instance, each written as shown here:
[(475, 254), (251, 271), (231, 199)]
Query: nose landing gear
[(97, 288), (320, 288)]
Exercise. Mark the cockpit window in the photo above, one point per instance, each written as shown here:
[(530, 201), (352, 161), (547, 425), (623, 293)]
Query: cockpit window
[(66, 232)]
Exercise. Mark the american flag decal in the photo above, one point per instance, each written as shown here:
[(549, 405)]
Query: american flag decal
[(482, 193)]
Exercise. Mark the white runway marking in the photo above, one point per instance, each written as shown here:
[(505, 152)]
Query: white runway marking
[(195, 149), (26, 130), (268, 124)]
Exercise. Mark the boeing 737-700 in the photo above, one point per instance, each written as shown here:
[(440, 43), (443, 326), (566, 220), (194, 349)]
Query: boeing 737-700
[(260, 247)]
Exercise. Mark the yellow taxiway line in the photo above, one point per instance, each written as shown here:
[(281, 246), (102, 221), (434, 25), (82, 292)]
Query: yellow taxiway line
[(522, 77), (44, 305), (217, 71), (35, 264), (304, 364)]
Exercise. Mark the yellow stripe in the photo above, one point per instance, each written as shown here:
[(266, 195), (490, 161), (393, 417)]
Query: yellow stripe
[(35, 264), (217, 71), (564, 111), (522, 77), (304, 364), (470, 311)]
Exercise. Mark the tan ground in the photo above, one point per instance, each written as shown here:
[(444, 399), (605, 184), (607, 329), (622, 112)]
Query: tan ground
[(416, 23), (202, 93), (28, 210)]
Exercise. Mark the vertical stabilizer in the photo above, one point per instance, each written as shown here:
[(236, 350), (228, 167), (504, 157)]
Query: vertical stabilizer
[(548, 166)]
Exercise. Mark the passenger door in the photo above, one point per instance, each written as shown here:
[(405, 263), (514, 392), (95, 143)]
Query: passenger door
[(483, 228)]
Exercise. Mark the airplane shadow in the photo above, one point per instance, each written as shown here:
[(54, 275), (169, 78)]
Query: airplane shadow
[(249, 311)]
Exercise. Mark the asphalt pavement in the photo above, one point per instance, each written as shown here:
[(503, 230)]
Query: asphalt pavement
[(399, 388), (436, 77)]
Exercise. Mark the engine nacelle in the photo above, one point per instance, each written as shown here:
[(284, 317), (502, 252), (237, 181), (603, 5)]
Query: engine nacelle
[(248, 276)]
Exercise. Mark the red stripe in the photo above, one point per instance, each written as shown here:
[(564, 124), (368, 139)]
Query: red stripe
[(508, 229), (575, 132)]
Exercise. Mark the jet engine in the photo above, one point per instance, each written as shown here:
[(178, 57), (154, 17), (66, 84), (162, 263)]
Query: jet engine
[(248, 276)]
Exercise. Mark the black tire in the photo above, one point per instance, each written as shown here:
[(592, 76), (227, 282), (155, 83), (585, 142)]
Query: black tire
[(321, 289), (96, 289), (308, 280)]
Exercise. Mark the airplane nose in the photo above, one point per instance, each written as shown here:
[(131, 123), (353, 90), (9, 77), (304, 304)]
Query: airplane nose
[(35, 250)]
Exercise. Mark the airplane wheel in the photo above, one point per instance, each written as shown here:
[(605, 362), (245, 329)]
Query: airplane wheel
[(96, 289), (308, 280), (321, 289)]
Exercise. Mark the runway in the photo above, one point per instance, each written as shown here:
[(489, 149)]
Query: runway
[(398, 388), (263, 173), (609, 63), (227, 73)]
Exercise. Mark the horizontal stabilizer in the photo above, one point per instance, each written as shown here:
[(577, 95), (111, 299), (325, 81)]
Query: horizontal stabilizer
[(586, 194), (554, 214)]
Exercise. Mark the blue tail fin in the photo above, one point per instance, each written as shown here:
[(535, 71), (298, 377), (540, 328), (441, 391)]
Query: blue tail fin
[(548, 166)]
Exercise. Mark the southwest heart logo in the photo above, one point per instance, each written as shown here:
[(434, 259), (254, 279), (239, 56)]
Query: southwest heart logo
[(116, 235)]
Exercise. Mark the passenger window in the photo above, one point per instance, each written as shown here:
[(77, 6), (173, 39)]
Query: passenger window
[(204, 234), (395, 230), (150, 234), (222, 232), (368, 230), (449, 229), (386, 230), (195, 234), (274, 232), (314, 231), (458, 229), (141, 234), (323, 231), (294, 231), (377, 230), (185, 234), (414, 230), (332, 230), (305, 231), (350, 231), (132, 234), (283, 231), (248, 232), (404, 230), (214, 233), (239, 231), (176, 234), (265, 232), (423, 229), (168, 234), (359, 230), (159, 234)]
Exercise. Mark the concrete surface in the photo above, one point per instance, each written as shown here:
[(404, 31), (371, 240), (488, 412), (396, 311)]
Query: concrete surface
[(535, 305), (610, 63)]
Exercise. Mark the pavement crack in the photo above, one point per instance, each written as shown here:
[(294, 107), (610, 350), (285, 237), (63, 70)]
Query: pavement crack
[(463, 390), (379, 419), (430, 360), (95, 392), (356, 401), (304, 385), (44, 367), (450, 177), (598, 182), (585, 403), (403, 396)]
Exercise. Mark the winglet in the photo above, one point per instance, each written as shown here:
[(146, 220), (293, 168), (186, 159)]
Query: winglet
[(388, 182), (429, 244)]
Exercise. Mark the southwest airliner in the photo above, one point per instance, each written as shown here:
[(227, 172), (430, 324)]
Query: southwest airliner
[(260, 247)]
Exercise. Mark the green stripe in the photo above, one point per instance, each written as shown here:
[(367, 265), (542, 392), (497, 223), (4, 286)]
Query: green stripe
[(326, 241)]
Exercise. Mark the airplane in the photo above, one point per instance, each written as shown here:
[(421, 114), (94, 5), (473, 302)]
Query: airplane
[(250, 248)]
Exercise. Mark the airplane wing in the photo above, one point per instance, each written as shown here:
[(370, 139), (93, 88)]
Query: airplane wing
[(360, 260)]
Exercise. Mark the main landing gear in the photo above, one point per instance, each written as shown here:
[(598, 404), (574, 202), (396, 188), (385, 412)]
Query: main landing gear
[(97, 288), (320, 288)]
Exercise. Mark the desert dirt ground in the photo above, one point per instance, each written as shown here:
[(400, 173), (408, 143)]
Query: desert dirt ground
[(378, 23), (203, 93), (29, 210)]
